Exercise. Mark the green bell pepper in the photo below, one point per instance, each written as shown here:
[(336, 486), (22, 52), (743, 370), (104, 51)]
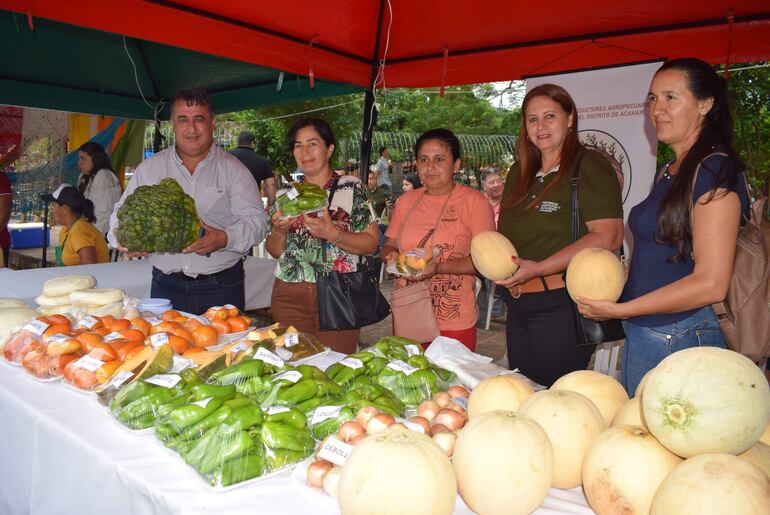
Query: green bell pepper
[(241, 469), (284, 436), (204, 391), (293, 417)]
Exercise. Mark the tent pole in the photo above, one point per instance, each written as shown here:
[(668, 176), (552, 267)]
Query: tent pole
[(370, 110)]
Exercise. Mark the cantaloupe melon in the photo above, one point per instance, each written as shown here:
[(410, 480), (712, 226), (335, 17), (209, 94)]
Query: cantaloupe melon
[(505, 392), (491, 254), (605, 391), (595, 274)]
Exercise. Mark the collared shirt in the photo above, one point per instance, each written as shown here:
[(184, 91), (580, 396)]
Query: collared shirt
[(383, 172), (226, 197)]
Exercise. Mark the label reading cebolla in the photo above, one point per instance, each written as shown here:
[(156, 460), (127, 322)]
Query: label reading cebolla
[(289, 375), (238, 348), (89, 363), (322, 413), (158, 339), (401, 366), (412, 350), (353, 363), (461, 401), (290, 340), (165, 380), (112, 336), (335, 451), (292, 193), (88, 322), (268, 357), (154, 320), (274, 410), (36, 327), (284, 354), (120, 378), (203, 403)]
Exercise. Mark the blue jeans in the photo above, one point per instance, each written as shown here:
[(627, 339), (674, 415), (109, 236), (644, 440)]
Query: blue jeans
[(647, 346)]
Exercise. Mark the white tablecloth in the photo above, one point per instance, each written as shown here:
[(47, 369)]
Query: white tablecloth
[(133, 277), (61, 452)]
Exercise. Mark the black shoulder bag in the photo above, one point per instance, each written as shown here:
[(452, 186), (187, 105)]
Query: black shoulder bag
[(590, 332), (349, 300)]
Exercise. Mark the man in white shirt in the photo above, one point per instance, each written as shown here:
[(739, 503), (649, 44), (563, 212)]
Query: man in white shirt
[(383, 168), (210, 271)]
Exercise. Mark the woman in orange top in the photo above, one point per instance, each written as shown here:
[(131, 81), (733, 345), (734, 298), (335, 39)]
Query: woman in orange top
[(457, 213), (80, 242)]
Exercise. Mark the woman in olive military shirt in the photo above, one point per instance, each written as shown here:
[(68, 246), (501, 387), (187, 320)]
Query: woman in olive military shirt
[(535, 215)]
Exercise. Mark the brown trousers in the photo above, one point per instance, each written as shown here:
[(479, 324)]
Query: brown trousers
[(297, 304)]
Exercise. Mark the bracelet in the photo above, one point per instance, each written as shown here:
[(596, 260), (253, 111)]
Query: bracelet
[(339, 239)]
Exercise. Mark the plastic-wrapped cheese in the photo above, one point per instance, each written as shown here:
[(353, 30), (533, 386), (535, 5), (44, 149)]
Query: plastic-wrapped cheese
[(97, 296), (49, 301), (11, 318), (55, 310), (6, 302), (67, 284)]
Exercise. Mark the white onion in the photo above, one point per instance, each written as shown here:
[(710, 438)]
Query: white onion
[(316, 472), (399, 425), (379, 423), (446, 441), (439, 428), (350, 430), (332, 481), (422, 421), (365, 414), (449, 418), (458, 391), (442, 399), (428, 409), (357, 439)]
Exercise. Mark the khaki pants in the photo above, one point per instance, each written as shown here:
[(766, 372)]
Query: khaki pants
[(297, 304)]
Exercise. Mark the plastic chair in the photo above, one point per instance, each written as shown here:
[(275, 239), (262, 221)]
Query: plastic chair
[(606, 358)]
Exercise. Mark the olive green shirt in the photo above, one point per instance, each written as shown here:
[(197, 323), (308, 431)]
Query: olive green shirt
[(545, 228)]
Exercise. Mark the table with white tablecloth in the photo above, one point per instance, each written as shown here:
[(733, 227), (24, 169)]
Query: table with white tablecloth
[(62, 452), (132, 276)]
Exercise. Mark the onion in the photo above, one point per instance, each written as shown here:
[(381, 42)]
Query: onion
[(350, 430), (379, 423), (428, 409), (442, 399), (422, 421), (316, 472), (446, 441), (459, 409), (332, 481), (365, 414), (450, 418), (458, 391), (357, 439), (399, 425), (439, 428)]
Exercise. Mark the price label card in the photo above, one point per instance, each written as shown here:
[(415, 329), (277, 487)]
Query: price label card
[(292, 193), (112, 336), (401, 366), (158, 339), (154, 320), (268, 357), (89, 363), (461, 401), (119, 378), (238, 348), (290, 340), (353, 363), (88, 322), (274, 410), (412, 350), (202, 403), (58, 337), (284, 354), (322, 413), (36, 327), (180, 364), (335, 451), (165, 380), (289, 375)]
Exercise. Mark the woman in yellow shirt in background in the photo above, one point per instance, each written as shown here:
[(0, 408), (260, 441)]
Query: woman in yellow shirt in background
[(80, 242)]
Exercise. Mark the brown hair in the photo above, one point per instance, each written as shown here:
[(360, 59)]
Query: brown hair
[(528, 155)]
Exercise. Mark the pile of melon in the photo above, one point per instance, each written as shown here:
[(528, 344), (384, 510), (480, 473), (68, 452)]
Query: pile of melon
[(694, 439)]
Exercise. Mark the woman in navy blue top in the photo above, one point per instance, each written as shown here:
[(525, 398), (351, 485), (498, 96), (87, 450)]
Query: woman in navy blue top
[(685, 231)]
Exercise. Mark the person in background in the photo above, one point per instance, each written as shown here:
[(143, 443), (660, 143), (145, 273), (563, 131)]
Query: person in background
[(308, 245), (80, 242), (257, 165), (210, 271), (380, 195), (445, 215), (492, 186), (383, 168), (686, 230), (98, 182), (411, 182), (6, 200), (535, 215)]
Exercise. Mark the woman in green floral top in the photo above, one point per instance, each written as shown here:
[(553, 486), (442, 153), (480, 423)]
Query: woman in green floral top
[(347, 229)]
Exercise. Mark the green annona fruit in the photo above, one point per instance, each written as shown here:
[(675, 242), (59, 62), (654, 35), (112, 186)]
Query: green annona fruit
[(158, 218)]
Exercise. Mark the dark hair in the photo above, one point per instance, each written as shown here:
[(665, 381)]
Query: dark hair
[(528, 155), (246, 138), (383, 149), (414, 179), (77, 202), (716, 134), (193, 97), (100, 159), (321, 127), (444, 135)]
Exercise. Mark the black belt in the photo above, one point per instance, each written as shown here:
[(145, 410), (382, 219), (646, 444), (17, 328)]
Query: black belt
[(199, 277)]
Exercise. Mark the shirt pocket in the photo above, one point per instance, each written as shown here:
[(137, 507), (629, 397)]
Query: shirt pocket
[(213, 203)]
